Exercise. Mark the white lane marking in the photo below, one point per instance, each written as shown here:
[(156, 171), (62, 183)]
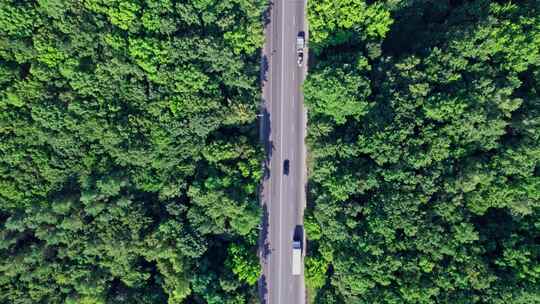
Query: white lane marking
[(294, 19), (281, 145)]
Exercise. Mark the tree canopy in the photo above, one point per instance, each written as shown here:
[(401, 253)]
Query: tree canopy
[(424, 131), (129, 161)]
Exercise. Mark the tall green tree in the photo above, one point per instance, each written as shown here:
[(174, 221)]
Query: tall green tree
[(425, 175), (128, 152)]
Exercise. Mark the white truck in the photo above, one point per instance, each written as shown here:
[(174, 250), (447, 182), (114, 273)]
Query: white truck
[(296, 258), (300, 45)]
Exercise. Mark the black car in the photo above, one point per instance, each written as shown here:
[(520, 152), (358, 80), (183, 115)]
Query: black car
[(286, 167)]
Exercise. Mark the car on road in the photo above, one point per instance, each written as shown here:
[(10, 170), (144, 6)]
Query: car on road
[(286, 167), (296, 258), (297, 239), (300, 45)]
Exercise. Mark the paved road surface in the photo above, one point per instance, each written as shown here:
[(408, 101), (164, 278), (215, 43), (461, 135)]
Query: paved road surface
[(283, 130)]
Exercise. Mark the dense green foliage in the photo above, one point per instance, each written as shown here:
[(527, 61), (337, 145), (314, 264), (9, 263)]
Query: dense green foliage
[(129, 161), (425, 143)]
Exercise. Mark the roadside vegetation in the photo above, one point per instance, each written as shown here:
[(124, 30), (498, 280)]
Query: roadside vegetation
[(424, 135), (129, 157)]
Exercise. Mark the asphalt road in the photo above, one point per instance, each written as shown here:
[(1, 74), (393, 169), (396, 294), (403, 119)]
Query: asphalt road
[(283, 131)]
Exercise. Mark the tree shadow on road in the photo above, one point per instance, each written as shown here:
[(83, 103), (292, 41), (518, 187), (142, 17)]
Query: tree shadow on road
[(263, 289), (267, 143), (264, 68), (264, 244), (265, 251), (267, 14)]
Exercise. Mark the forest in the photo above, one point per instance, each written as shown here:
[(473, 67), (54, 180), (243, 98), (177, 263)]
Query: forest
[(424, 140), (129, 154), (130, 161)]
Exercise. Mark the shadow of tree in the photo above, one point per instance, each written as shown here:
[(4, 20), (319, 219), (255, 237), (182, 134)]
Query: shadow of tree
[(263, 289)]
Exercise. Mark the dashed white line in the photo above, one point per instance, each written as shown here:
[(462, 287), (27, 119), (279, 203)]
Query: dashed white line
[(281, 146)]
